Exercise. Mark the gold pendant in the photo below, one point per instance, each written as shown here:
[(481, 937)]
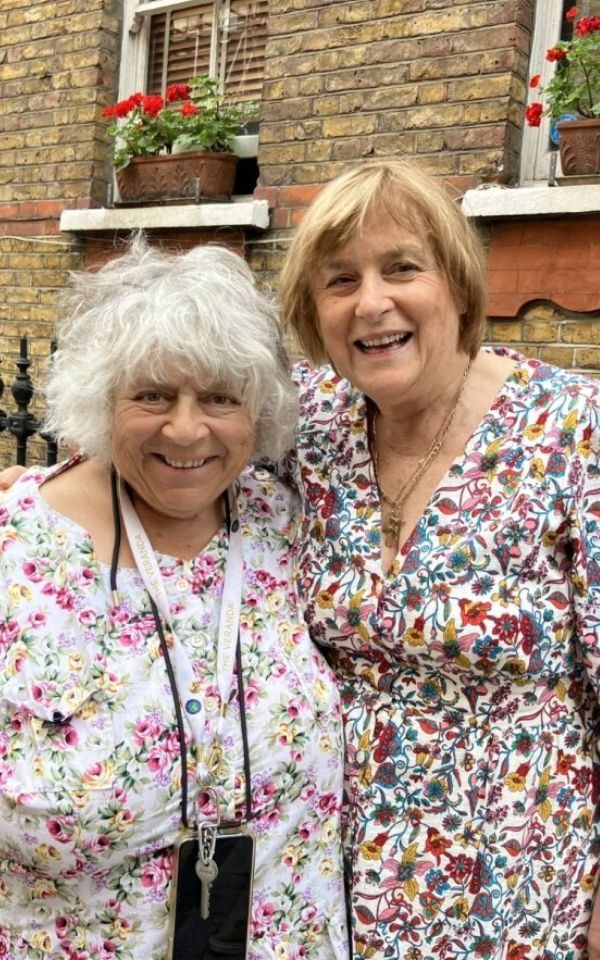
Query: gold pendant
[(215, 758), (391, 528)]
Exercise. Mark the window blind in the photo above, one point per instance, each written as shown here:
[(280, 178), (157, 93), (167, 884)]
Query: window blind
[(228, 44)]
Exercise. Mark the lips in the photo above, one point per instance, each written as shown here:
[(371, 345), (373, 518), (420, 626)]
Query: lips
[(385, 342)]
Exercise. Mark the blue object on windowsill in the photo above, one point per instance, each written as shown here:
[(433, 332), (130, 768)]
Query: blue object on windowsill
[(554, 133)]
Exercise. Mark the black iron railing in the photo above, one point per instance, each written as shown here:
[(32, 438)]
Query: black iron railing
[(22, 424)]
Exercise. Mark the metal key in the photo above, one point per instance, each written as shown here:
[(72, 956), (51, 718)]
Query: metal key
[(206, 871), (206, 868)]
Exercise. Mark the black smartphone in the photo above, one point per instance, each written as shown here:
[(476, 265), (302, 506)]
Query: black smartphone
[(226, 931)]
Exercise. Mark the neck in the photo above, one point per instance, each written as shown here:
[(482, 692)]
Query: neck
[(182, 537), (408, 427)]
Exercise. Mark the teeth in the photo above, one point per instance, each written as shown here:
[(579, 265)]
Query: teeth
[(385, 341), (184, 464)]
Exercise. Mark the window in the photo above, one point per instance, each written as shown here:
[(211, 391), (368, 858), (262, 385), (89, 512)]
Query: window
[(169, 41), (549, 27)]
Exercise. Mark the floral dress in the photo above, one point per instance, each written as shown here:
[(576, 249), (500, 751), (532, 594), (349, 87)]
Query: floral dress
[(469, 673), (89, 754)]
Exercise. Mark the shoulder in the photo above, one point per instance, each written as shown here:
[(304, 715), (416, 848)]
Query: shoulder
[(23, 496), (545, 387), (325, 397), (266, 501)]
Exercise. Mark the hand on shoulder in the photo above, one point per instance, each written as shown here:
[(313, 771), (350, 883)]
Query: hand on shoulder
[(10, 475)]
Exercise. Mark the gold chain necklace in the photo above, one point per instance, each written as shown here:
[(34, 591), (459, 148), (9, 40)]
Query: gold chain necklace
[(392, 526)]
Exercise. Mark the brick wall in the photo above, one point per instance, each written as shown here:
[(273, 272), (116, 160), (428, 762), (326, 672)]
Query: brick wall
[(442, 81), (544, 289), (446, 87), (547, 332), (371, 78), (57, 70)]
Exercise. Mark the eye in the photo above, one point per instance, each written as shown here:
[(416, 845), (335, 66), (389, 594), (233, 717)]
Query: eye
[(403, 268), (223, 400), (339, 281), (149, 396)]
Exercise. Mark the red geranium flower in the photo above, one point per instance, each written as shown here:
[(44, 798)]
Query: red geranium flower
[(535, 80), (178, 91), (189, 109), (555, 54), (533, 114), (587, 25), (571, 13), (152, 104)]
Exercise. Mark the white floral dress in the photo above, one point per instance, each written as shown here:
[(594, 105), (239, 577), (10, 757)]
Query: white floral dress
[(90, 765), (469, 673)]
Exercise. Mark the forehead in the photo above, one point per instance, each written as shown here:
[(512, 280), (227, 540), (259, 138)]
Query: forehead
[(378, 237), (176, 373)]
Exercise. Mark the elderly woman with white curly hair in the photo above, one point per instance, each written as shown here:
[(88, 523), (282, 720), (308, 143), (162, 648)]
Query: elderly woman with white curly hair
[(170, 749)]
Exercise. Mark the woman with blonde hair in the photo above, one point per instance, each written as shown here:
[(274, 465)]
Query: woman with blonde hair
[(449, 565)]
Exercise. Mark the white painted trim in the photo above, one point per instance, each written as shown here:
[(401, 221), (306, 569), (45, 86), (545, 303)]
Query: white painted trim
[(535, 154), (241, 213), (497, 203), (133, 64), (136, 40)]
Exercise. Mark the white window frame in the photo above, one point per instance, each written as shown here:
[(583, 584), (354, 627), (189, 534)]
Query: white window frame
[(136, 39), (535, 152)]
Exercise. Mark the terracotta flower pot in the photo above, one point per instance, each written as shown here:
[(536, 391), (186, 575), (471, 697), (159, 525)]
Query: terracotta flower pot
[(197, 176), (579, 147)]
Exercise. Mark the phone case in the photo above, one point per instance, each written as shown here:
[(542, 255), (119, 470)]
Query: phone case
[(225, 932)]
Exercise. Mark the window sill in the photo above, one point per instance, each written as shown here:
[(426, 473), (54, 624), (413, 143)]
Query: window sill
[(245, 212), (497, 202)]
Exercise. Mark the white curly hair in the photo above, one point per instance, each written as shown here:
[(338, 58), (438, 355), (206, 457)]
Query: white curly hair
[(149, 314)]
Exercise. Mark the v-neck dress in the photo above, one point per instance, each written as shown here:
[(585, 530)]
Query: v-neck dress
[(469, 673)]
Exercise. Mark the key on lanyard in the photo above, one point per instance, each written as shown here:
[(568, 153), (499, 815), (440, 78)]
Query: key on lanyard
[(206, 867)]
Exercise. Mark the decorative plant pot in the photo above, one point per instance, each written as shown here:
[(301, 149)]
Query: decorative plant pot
[(579, 147), (196, 176)]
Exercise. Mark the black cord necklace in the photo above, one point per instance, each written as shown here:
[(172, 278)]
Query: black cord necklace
[(114, 482)]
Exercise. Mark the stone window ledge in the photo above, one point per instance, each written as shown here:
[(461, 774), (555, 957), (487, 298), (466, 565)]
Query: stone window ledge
[(498, 202), (244, 212)]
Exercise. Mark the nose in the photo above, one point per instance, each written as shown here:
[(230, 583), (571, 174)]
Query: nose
[(373, 297), (187, 422)]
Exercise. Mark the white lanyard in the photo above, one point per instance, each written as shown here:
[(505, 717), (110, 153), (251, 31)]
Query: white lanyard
[(229, 618)]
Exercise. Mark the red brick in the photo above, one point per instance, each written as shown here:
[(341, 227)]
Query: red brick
[(8, 211), (281, 218), (45, 209), (271, 194), (297, 217), (587, 303), (502, 281), (29, 228), (504, 304), (568, 282), (528, 281), (459, 185), (298, 195), (503, 258), (507, 234), (561, 232)]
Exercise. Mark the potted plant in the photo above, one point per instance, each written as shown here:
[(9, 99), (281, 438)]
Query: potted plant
[(179, 146), (573, 94)]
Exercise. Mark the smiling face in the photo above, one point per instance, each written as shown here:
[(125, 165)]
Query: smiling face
[(386, 315), (179, 446)]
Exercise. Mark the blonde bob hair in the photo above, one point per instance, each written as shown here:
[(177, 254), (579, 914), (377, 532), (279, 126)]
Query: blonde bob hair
[(415, 201), (149, 315)]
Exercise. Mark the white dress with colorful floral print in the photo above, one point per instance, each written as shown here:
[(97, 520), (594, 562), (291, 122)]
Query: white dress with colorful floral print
[(89, 753), (469, 674)]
